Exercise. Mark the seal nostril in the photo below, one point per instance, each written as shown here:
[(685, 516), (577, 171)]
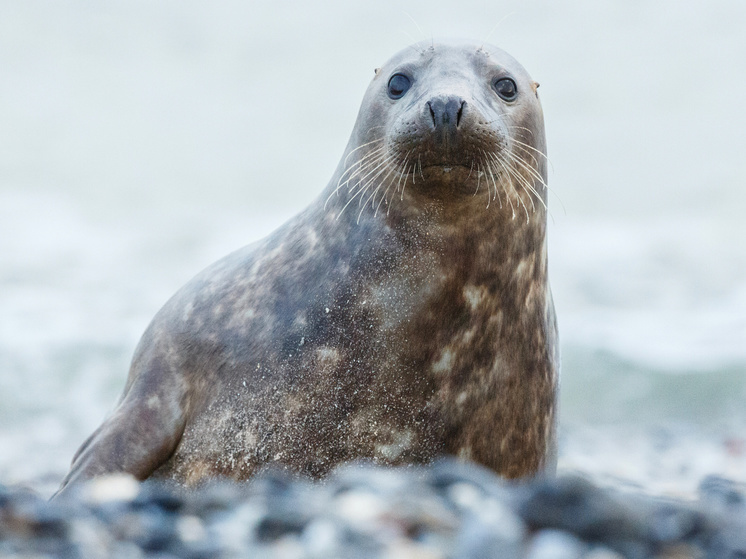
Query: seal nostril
[(460, 112), (432, 113)]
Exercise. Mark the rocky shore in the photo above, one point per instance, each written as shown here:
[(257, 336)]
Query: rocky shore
[(446, 510)]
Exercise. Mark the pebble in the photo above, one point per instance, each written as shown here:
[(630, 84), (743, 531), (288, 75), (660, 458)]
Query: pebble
[(448, 510), (555, 544), (112, 488)]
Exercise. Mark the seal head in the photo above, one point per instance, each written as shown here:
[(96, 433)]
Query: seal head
[(462, 119), (405, 314)]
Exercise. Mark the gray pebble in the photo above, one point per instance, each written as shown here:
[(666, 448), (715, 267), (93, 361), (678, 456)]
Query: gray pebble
[(491, 529), (555, 544)]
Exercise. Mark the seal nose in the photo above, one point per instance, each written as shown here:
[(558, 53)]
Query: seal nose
[(446, 113)]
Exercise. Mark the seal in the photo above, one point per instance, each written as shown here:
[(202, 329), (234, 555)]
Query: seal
[(405, 314)]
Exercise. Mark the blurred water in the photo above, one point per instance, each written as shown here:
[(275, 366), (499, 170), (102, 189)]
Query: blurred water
[(139, 141)]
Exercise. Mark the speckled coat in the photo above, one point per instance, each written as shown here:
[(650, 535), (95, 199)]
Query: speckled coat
[(406, 313)]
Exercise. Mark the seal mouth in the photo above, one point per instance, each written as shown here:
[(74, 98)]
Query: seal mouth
[(453, 177), (445, 168)]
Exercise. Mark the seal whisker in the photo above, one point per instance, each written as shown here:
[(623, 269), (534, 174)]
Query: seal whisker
[(348, 203), (479, 178), (531, 170), (530, 147), (368, 155), (494, 27), (526, 183), (505, 189), (404, 170), (505, 177), (364, 172), (522, 181), (492, 176), (487, 190), (489, 174), (380, 168), (517, 144), (359, 163), (417, 25), (496, 194), (363, 206), (369, 169), (399, 171), (489, 195), (363, 168), (391, 169), (527, 154), (398, 183), (363, 186), (408, 34), (384, 196), (406, 178), (362, 146), (546, 186), (359, 173), (521, 128), (513, 172)]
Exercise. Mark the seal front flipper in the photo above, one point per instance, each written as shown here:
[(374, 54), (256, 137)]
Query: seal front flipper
[(141, 433)]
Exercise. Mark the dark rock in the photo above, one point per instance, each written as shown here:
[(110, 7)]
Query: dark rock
[(273, 528), (671, 522), (5, 495), (215, 497), (722, 493), (576, 506), (147, 526), (160, 495), (274, 481), (729, 543)]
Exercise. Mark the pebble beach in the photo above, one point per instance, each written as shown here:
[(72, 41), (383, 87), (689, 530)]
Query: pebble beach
[(446, 510)]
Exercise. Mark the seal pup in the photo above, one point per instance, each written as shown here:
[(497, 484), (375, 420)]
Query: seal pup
[(405, 314)]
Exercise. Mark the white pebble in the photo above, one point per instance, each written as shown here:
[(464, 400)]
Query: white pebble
[(115, 487), (191, 529)]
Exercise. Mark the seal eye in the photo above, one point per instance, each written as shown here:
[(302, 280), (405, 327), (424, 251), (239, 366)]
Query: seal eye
[(399, 84), (506, 89)]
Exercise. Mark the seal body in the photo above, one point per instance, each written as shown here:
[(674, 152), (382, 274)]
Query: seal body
[(404, 314)]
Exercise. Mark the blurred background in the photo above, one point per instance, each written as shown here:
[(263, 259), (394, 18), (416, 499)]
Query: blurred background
[(142, 140)]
